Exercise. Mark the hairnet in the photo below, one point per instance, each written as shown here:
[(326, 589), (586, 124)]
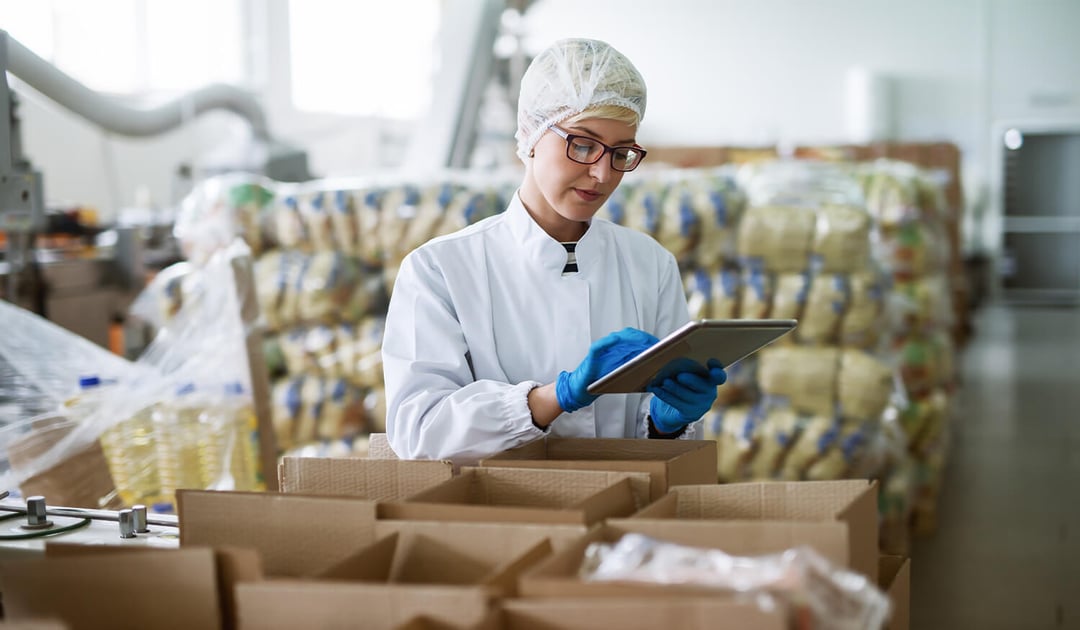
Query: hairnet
[(569, 77)]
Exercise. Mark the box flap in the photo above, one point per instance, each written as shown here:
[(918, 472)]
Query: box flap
[(116, 590), (634, 614), (521, 495), (666, 506), (895, 580), (504, 577), (296, 535), (291, 604), (458, 553), (504, 536), (374, 479), (379, 447), (371, 564)]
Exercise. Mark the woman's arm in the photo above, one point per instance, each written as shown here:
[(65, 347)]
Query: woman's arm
[(436, 409)]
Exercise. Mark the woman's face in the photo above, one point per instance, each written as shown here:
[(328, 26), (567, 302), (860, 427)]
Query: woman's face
[(563, 195)]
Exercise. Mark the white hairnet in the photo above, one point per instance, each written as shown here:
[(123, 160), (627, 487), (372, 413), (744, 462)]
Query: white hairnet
[(569, 77)]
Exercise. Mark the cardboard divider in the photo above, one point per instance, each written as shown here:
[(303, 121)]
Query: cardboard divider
[(851, 501), (558, 576), (668, 462), (895, 580), (147, 589), (520, 495), (634, 614), (379, 447), (296, 535), (450, 572), (373, 479)]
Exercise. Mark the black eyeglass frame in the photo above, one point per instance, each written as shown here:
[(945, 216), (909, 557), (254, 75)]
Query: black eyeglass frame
[(570, 137)]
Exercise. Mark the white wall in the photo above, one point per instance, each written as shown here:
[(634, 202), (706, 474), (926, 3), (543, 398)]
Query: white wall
[(719, 72)]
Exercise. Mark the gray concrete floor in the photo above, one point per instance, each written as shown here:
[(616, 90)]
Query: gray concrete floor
[(1007, 550)]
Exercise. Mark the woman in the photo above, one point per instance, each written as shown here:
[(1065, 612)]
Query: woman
[(486, 325)]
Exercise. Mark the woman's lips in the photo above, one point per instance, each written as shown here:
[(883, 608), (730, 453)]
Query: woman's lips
[(587, 195)]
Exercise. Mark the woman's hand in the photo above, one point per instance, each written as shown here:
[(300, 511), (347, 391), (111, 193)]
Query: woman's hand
[(605, 354), (684, 397)]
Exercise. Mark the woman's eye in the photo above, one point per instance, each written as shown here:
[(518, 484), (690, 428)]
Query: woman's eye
[(581, 149)]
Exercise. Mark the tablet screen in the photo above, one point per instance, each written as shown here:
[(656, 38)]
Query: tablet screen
[(689, 348)]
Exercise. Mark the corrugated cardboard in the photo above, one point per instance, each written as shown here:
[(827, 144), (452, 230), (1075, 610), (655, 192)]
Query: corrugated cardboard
[(37, 624), (895, 580), (379, 447), (373, 479), (520, 495), (150, 589), (276, 604), (852, 501), (557, 576), (296, 535), (234, 565), (634, 614), (668, 462), (451, 572)]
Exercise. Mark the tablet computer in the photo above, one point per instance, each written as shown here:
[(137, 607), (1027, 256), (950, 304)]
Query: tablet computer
[(689, 348)]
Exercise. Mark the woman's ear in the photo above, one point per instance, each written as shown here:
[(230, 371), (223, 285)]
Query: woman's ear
[(532, 152)]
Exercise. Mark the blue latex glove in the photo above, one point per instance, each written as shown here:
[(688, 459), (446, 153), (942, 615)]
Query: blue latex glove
[(605, 354), (685, 397)]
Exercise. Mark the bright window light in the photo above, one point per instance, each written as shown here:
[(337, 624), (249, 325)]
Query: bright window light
[(133, 46), (363, 58)]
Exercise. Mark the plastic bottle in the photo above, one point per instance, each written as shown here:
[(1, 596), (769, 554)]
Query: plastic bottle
[(237, 436), (180, 437)]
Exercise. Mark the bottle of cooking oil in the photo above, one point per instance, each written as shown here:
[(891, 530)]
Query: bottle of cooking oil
[(230, 457), (179, 439), (131, 450)]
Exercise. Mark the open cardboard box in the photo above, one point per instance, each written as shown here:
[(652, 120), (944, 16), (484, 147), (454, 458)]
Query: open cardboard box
[(520, 495), (668, 462), (558, 576), (851, 502), (373, 479), (103, 587), (894, 579), (452, 573), (329, 563), (635, 614)]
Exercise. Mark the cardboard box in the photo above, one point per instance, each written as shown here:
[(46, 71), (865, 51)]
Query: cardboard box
[(449, 572), (895, 580), (34, 624), (125, 589), (373, 479), (668, 462), (519, 495), (557, 576), (851, 502), (296, 535), (379, 447), (634, 614)]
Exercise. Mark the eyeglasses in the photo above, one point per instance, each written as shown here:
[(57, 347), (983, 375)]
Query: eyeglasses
[(584, 150)]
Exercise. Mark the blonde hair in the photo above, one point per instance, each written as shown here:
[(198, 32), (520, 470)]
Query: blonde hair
[(607, 112)]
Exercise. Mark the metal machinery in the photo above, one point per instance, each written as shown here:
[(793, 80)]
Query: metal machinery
[(84, 291)]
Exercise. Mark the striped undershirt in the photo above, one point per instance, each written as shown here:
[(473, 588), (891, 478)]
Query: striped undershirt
[(571, 259)]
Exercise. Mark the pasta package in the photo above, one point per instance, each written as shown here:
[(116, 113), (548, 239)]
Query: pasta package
[(375, 410), (698, 293), (368, 207), (314, 211), (399, 207), (643, 209), (756, 295), (816, 437), (288, 226), (862, 324), (276, 275), (776, 238), (426, 222), (733, 428), (679, 227), (368, 352), (345, 222), (726, 288), (865, 386), (803, 376), (826, 304), (841, 239), (790, 296), (777, 433), (718, 208)]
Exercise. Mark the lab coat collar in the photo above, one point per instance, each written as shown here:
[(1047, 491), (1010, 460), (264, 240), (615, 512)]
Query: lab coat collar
[(539, 246)]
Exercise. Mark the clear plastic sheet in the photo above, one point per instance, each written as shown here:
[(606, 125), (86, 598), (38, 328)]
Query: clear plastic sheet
[(798, 578), (179, 416)]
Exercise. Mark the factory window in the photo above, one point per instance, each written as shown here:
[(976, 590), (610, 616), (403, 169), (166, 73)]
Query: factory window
[(133, 46), (363, 58)]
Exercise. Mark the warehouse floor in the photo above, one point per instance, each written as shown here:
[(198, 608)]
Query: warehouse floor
[(1007, 550)]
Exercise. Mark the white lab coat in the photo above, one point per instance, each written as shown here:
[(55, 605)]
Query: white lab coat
[(480, 317)]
